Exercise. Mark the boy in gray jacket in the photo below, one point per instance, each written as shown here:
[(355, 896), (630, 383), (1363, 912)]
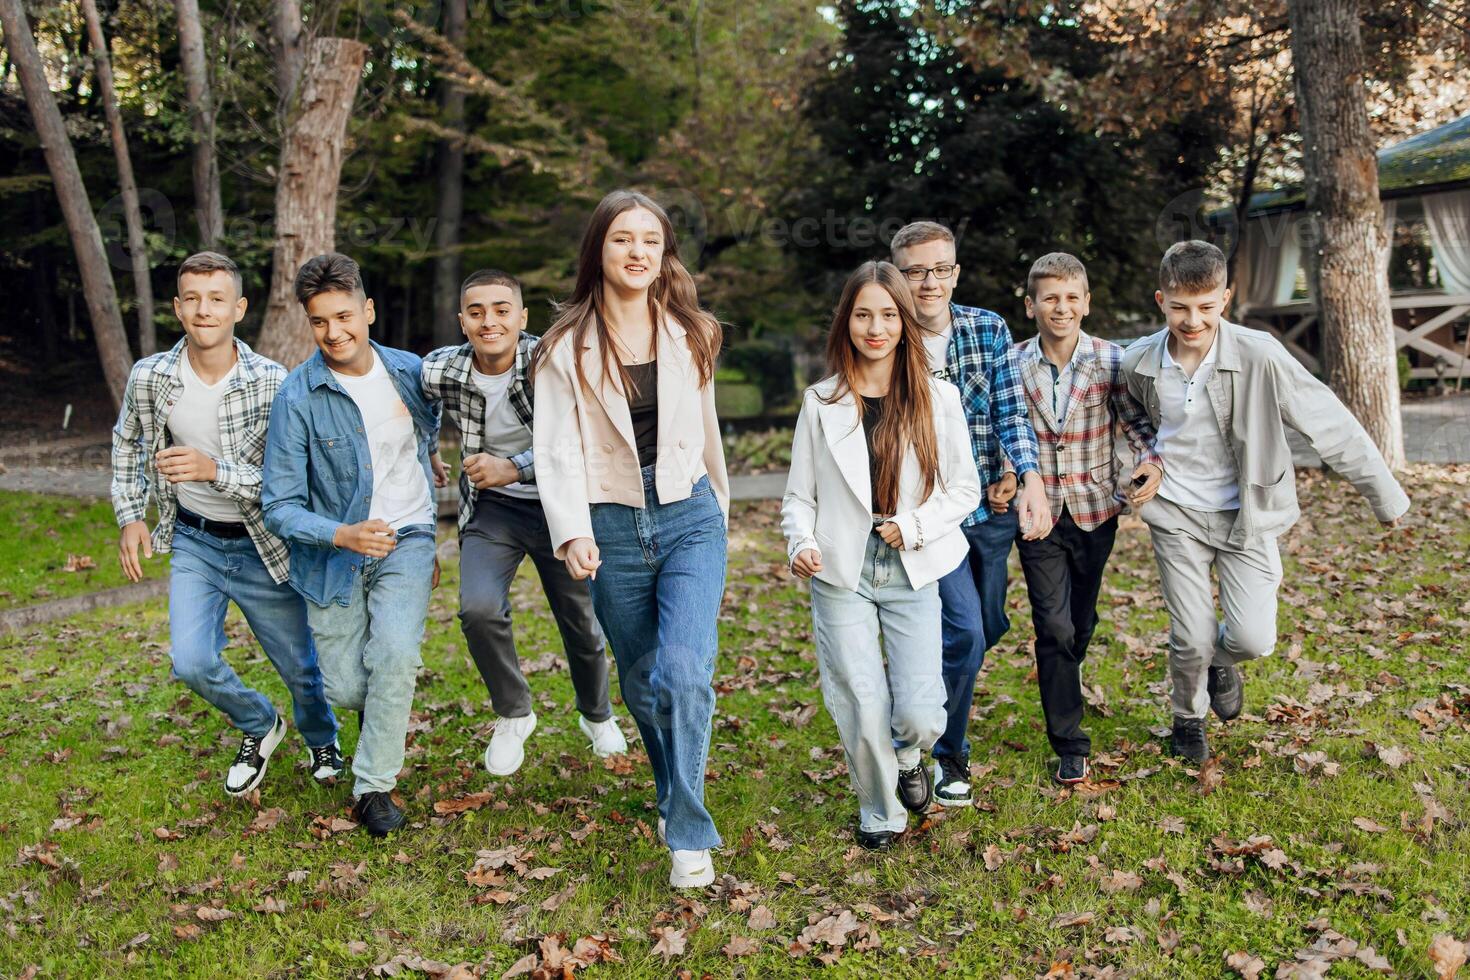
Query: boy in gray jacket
[(1221, 397)]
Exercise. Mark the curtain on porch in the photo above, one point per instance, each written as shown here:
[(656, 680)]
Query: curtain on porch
[(1269, 260), (1448, 218)]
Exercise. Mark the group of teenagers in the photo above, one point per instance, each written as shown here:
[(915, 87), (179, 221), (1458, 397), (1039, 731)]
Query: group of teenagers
[(932, 444)]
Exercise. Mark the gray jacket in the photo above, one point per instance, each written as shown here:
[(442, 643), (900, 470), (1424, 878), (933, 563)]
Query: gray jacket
[(1257, 390)]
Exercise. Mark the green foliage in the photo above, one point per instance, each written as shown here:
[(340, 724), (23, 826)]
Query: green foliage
[(768, 365), (735, 400)]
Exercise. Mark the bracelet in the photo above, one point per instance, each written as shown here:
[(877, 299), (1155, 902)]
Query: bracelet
[(918, 533)]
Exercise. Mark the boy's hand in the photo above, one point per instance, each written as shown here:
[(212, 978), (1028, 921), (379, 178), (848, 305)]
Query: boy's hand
[(434, 582), (807, 563), (182, 464), (999, 493), (487, 471), (583, 558), (1153, 476), (891, 535), (134, 536), (374, 538), (1032, 510), (441, 471)]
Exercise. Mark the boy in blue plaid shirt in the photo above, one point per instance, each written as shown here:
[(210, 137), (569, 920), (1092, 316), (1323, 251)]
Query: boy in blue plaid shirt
[(191, 434), (971, 349)]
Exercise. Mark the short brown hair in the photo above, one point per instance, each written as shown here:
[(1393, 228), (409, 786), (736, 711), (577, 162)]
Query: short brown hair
[(1192, 267), (489, 277), (917, 233), (329, 273), (203, 263), (1055, 265)]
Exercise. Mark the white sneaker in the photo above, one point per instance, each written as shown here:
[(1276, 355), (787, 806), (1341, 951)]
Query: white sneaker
[(607, 737), (248, 768), (691, 869), (507, 748)]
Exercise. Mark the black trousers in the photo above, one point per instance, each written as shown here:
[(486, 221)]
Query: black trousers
[(1063, 573)]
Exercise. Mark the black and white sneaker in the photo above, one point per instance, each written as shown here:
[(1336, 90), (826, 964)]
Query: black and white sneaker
[(952, 781), (1071, 769), (249, 766), (324, 762)]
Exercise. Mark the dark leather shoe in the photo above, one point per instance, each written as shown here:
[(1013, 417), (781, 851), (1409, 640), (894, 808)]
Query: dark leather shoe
[(915, 788), (1227, 692), (1071, 769), (378, 814), (1189, 739), (876, 840)]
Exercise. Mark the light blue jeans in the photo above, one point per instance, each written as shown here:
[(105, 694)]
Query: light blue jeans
[(205, 574), (886, 719), (370, 651), (658, 596)]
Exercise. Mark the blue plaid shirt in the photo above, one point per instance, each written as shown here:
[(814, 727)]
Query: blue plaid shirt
[(982, 365)]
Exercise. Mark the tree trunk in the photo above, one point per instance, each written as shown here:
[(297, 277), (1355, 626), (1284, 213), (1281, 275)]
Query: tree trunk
[(306, 190), (451, 194), (86, 237), (1348, 257), (290, 41), (208, 207), (132, 214)]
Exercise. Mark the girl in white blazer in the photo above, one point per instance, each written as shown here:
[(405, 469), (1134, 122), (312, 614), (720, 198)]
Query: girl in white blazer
[(632, 477), (881, 477)]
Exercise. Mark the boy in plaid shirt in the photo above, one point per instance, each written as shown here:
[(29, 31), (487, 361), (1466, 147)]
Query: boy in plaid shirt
[(1078, 399), (482, 384), (191, 433)]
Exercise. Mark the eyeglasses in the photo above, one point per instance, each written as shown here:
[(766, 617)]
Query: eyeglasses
[(918, 273)]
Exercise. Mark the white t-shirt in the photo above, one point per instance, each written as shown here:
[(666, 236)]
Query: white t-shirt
[(505, 435), (936, 345), (401, 492), (194, 422), (1199, 472)]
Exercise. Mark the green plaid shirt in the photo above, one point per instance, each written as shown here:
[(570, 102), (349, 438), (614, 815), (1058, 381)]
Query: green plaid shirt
[(447, 379), (154, 387)]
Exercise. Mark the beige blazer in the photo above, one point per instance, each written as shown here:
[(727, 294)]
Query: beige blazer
[(583, 436), (829, 496)]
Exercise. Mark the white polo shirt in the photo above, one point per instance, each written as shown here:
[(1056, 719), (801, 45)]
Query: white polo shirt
[(1199, 472)]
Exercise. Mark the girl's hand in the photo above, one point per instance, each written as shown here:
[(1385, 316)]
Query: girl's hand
[(808, 562), (891, 535), (583, 558)]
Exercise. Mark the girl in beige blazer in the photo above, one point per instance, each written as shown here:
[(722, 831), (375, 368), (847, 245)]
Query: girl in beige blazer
[(881, 477), (632, 478)]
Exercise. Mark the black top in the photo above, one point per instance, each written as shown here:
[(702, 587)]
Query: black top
[(643, 406), (872, 415)]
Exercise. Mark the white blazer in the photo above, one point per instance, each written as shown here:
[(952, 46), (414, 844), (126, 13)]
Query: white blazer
[(828, 502)]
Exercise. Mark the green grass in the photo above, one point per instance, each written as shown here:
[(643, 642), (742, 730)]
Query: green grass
[(100, 752), (42, 532)]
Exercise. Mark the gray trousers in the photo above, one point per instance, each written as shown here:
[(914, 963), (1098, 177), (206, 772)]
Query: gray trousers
[(500, 534), (1187, 544)]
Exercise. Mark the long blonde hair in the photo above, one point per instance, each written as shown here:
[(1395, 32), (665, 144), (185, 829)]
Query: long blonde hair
[(672, 294), (908, 415)]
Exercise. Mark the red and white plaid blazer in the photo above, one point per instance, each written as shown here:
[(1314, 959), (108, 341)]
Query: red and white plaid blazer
[(1078, 456)]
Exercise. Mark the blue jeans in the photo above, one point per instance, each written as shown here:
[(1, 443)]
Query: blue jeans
[(658, 596), (974, 601), (370, 651), (886, 718), (205, 574)]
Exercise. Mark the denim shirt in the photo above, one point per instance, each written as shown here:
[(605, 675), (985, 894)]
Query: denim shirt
[(318, 473)]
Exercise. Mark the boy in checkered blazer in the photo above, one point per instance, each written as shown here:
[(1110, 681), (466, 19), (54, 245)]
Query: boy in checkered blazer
[(1078, 399)]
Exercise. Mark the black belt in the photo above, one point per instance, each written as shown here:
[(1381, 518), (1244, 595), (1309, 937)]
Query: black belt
[(219, 529)]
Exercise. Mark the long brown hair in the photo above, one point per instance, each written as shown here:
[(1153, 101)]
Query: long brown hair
[(672, 294), (908, 412)]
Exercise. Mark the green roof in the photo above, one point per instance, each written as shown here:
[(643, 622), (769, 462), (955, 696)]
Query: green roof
[(1433, 159)]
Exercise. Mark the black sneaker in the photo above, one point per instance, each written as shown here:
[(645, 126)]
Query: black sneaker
[(324, 762), (248, 769), (1071, 769), (1227, 692), (915, 788), (952, 780), (1189, 739), (378, 814), (876, 840)]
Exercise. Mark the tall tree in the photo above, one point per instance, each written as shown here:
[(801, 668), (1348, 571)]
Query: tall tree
[(81, 224), (208, 206), (307, 186), (1349, 265), (132, 213), (450, 188)]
